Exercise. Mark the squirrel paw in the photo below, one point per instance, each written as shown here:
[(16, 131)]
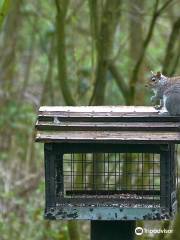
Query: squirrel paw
[(163, 113), (157, 107)]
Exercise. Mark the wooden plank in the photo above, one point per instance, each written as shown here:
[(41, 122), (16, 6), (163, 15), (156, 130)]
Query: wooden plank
[(108, 113), (99, 114), (97, 109), (113, 126), (111, 118), (94, 113), (108, 136)]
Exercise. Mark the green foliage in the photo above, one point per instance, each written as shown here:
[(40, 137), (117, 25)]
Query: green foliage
[(25, 221), (29, 70), (4, 8)]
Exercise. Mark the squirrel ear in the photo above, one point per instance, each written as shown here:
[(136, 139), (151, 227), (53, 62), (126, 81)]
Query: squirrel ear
[(158, 74), (152, 73)]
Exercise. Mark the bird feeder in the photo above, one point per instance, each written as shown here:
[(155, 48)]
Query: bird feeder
[(109, 163)]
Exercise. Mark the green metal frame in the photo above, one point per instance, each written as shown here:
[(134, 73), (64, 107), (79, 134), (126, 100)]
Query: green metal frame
[(107, 213), (68, 210)]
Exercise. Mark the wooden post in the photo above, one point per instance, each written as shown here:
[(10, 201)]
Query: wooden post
[(112, 230)]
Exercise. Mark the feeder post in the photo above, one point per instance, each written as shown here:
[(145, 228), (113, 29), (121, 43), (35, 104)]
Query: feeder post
[(112, 230)]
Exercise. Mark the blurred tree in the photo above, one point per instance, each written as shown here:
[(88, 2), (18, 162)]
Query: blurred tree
[(48, 85), (172, 53), (103, 32), (134, 77), (103, 50), (8, 50), (4, 9), (136, 20), (62, 7), (8, 68)]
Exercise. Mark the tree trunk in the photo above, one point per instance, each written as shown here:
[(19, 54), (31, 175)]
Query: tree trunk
[(105, 38), (61, 51), (62, 7), (8, 54), (136, 18), (7, 68), (47, 91), (73, 228)]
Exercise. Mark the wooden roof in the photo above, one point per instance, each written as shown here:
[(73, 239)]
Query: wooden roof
[(123, 124)]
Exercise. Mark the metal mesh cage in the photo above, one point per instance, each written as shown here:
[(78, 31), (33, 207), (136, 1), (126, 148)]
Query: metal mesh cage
[(110, 175), (117, 176)]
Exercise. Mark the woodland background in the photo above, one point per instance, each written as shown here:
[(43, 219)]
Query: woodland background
[(71, 52)]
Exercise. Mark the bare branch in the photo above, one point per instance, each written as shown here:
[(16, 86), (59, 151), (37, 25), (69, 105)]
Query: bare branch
[(134, 77), (109, 20), (170, 49), (164, 7), (176, 61), (120, 81), (61, 52)]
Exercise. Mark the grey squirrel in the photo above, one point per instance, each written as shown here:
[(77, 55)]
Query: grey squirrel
[(167, 91)]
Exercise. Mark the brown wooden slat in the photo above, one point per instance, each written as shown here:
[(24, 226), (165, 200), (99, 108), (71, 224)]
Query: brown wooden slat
[(98, 114), (111, 118), (108, 136), (113, 126), (98, 109)]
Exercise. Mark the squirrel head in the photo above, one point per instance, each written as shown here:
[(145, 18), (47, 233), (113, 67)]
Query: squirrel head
[(156, 80)]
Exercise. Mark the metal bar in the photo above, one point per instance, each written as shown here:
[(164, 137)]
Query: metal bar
[(107, 213), (104, 172), (115, 179), (73, 170), (94, 172), (71, 177), (50, 172), (59, 180), (173, 156), (85, 159), (108, 171), (142, 174), (112, 230), (165, 178), (112, 192), (111, 148), (110, 200)]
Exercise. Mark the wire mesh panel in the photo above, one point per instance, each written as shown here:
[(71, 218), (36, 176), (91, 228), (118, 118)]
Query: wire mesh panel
[(118, 177), (134, 177)]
